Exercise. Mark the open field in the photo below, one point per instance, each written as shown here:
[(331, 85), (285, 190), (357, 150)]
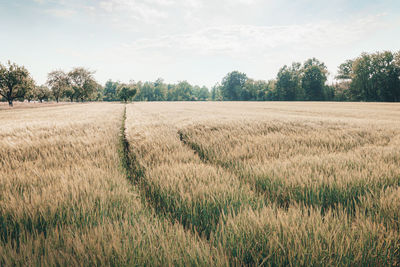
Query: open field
[(211, 183), (25, 105)]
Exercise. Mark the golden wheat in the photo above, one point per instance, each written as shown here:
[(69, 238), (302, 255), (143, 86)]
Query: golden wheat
[(211, 184), (315, 171), (65, 201)]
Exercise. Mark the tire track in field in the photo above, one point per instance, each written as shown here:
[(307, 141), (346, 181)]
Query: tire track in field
[(275, 191), (136, 174)]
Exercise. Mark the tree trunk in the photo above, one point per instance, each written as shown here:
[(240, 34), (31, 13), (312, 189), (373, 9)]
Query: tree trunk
[(57, 99), (10, 103)]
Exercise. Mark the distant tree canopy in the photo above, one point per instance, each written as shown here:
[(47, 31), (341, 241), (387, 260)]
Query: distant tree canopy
[(161, 91), (110, 91), (369, 77), (232, 85), (376, 77)]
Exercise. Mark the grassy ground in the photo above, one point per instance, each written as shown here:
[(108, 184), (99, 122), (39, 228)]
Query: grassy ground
[(200, 184)]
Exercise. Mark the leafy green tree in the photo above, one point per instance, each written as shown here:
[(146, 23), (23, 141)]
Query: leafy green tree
[(30, 94), (232, 85), (200, 93), (374, 77), (314, 77), (216, 92), (345, 70), (98, 95), (42, 93), (171, 92), (15, 81), (69, 92), (261, 90), (249, 90), (342, 91), (110, 91), (126, 92), (160, 90), (147, 92), (183, 91), (361, 84), (271, 92), (203, 94), (288, 85), (82, 83), (385, 76), (59, 83)]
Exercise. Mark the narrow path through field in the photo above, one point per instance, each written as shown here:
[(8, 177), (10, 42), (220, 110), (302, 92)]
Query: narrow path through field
[(136, 174)]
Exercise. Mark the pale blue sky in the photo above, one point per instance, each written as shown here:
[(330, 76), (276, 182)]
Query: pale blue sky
[(194, 40)]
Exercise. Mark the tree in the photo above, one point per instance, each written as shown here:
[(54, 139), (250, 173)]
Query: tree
[(160, 90), (110, 91), (271, 93), (314, 77), (42, 93), (183, 91), (83, 83), (99, 92), (31, 93), (376, 77), (345, 70), (288, 86), (59, 83), (15, 81), (147, 91), (232, 85), (203, 94), (341, 91), (361, 86), (216, 92), (385, 76), (126, 91), (249, 90), (261, 90)]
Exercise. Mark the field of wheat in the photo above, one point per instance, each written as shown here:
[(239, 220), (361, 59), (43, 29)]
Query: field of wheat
[(211, 183)]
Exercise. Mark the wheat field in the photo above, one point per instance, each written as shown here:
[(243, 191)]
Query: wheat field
[(200, 184)]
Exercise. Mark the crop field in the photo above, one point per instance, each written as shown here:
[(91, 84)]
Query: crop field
[(200, 184)]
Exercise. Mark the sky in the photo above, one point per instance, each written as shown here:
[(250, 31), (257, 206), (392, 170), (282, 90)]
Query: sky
[(195, 40)]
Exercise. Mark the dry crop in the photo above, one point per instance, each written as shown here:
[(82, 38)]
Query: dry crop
[(276, 183), (64, 199), (212, 183)]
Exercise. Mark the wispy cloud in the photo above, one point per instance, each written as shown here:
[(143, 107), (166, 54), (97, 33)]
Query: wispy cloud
[(246, 39), (140, 10), (203, 39), (61, 12)]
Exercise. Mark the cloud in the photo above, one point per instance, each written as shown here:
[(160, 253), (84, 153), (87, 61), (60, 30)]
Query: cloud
[(61, 12), (247, 39), (146, 10)]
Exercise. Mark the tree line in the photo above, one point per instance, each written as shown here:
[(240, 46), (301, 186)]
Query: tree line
[(369, 77)]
